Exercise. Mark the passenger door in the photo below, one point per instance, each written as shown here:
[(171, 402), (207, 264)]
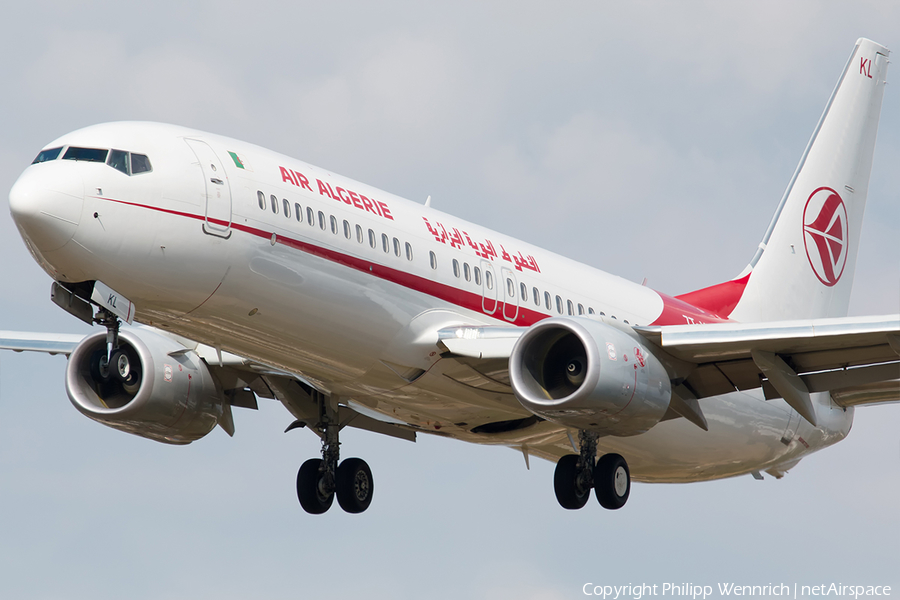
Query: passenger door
[(217, 214), (510, 297)]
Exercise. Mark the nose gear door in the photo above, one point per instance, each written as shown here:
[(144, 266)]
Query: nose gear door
[(217, 215)]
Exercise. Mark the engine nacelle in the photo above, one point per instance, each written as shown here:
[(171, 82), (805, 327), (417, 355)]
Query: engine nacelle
[(586, 374), (158, 390)]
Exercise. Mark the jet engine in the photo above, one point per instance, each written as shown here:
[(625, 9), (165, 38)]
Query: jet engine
[(151, 386), (587, 374)]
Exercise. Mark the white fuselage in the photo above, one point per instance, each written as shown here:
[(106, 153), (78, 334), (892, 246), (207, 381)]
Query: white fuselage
[(208, 245)]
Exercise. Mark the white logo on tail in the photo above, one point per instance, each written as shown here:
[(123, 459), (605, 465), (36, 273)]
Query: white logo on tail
[(825, 234)]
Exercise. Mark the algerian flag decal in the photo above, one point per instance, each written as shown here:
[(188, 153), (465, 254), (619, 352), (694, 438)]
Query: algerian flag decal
[(239, 161)]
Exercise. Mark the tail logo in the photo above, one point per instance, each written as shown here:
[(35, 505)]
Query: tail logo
[(825, 235)]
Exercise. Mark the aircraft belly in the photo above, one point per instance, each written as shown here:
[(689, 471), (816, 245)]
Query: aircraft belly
[(746, 433)]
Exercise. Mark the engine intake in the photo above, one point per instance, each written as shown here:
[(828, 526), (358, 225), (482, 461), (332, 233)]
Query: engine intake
[(151, 387), (589, 375)]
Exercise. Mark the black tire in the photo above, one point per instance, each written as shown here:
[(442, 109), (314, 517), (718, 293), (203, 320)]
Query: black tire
[(354, 485), (565, 483), (100, 366), (124, 367), (612, 481), (311, 498)]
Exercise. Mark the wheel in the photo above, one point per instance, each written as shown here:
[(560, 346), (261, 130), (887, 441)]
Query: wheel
[(354, 485), (569, 493), (100, 366), (612, 481), (309, 490), (124, 367)]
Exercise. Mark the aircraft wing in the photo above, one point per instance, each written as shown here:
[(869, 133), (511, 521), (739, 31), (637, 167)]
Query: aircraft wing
[(857, 359), (28, 341)]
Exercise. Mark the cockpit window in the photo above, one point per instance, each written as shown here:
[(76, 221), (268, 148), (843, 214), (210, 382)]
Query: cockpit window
[(48, 154), (85, 154), (118, 159), (140, 164)]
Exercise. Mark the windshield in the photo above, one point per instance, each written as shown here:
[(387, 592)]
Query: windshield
[(45, 155)]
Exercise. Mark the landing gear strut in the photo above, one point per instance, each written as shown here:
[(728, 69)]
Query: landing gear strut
[(576, 474), (117, 364), (319, 479)]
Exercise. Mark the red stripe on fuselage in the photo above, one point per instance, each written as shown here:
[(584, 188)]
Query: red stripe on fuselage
[(675, 311), (461, 298)]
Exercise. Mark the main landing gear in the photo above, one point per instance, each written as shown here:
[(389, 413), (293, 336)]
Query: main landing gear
[(576, 474), (320, 479)]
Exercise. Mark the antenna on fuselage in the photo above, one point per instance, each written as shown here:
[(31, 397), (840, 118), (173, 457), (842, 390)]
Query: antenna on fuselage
[(428, 201)]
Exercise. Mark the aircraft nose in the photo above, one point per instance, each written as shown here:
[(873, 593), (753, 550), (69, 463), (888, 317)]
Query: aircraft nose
[(46, 203)]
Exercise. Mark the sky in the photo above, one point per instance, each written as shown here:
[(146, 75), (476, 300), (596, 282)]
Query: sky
[(646, 139)]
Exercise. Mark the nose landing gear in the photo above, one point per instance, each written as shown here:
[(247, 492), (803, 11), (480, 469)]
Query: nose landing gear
[(576, 474)]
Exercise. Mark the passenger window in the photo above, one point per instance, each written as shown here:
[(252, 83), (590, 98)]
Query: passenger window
[(626, 322), (372, 238), (559, 307), (385, 243), (347, 233), (455, 268), (467, 274), (45, 155), (580, 309), (409, 255), (310, 216), (333, 224), (537, 296), (118, 160), (547, 300), (298, 212), (287, 207), (140, 164), (274, 204), (321, 220), (570, 307), (591, 311), (262, 199), (489, 279), (477, 276), (396, 246), (433, 258), (523, 289), (85, 154), (510, 288), (359, 234), (602, 314)]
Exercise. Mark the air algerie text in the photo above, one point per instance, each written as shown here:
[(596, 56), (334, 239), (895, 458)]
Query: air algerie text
[(340, 194)]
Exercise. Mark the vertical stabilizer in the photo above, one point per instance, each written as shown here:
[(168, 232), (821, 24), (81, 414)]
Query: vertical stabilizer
[(805, 264)]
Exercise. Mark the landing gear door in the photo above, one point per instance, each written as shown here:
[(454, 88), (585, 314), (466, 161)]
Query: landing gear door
[(217, 215)]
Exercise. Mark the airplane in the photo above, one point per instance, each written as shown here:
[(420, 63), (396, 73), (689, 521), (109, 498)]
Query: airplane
[(252, 275)]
